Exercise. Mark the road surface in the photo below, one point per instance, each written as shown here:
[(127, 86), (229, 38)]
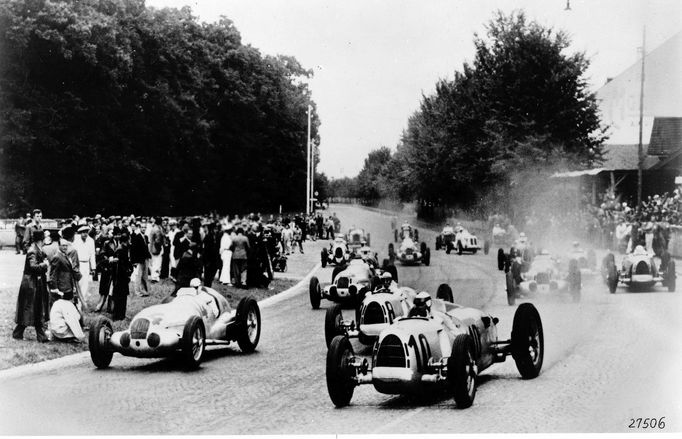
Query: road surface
[(608, 359)]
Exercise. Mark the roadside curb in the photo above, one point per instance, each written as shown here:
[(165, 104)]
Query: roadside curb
[(75, 359)]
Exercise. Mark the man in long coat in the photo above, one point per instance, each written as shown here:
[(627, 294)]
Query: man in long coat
[(33, 301)]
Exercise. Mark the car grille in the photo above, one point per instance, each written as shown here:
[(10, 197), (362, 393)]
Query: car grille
[(391, 353), (373, 314), (138, 329), (409, 251), (342, 282), (542, 278), (474, 242), (642, 268), (338, 252)]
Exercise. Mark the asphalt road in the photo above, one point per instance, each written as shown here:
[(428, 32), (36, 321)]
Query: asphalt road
[(608, 359)]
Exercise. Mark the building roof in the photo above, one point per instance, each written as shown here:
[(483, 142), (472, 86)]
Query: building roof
[(666, 136), (624, 157)]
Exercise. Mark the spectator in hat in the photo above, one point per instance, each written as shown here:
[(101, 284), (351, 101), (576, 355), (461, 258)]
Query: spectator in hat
[(34, 224), (85, 247), (240, 249), (33, 300)]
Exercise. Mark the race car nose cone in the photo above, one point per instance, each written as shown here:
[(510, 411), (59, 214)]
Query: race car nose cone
[(533, 286)]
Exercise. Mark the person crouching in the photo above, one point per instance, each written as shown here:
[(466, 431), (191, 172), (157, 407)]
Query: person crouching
[(65, 319)]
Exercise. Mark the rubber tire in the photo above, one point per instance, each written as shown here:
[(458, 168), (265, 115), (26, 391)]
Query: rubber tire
[(391, 251), (460, 248), (422, 247), (323, 257), (243, 308), (511, 288), (427, 257), (338, 269), (438, 242), (332, 320), (99, 353), (574, 280), (526, 321), (416, 235), (501, 259), (486, 247), (670, 276), (368, 241), (444, 292), (458, 375), (395, 235), (340, 384), (612, 278), (186, 344), (393, 270), (314, 292), (448, 248)]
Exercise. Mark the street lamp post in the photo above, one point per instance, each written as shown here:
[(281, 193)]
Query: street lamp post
[(309, 176), (640, 149)]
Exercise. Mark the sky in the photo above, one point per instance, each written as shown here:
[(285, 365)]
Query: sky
[(373, 60)]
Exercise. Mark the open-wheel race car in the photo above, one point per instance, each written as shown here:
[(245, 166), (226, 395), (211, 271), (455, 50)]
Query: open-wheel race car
[(349, 282), (338, 253), (639, 271), (586, 259), (379, 309), (198, 316), (409, 254), (444, 348), (543, 275), (458, 239), (405, 231), (357, 238)]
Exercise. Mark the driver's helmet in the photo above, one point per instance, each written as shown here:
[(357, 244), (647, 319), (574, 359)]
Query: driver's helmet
[(386, 279), (422, 304)]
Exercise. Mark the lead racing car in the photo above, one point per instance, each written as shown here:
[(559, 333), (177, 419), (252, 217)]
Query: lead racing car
[(196, 317), (639, 271), (405, 231), (444, 346), (409, 254)]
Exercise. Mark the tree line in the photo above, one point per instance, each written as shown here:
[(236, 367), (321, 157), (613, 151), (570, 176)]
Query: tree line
[(111, 106), (490, 136)]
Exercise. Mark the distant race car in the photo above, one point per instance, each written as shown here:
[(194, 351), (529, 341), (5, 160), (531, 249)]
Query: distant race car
[(405, 231), (349, 283), (338, 253), (444, 349), (446, 239), (587, 260), (639, 271), (409, 254), (465, 242), (379, 309), (196, 317), (357, 238), (542, 276)]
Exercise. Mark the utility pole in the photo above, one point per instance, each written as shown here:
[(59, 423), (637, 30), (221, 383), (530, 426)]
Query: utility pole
[(640, 149), (309, 177)]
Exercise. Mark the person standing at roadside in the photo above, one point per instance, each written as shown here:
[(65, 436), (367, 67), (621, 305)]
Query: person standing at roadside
[(240, 249), (226, 256), (210, 254), (156, 240), (139, 257), (34, 224), (85, 247), (19, 231), (33, 300), (122, 268)]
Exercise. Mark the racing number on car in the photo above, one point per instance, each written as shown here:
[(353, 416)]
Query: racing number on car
[(424, 355), (391, 313)]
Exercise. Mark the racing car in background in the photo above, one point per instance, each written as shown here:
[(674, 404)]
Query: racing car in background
[(338, 253), (543, 275), (409, 254), (405, 231), (586, 259), (459, 239), (445, 347), (639, 271), (357, 238), (197, 316)]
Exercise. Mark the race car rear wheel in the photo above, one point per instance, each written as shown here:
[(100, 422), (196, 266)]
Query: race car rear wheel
[(574, 280), (427, 257), (193, 342), (249, 324), (462, 371), (315, 292), (98, 342), (611, 277), (416, 235), (439, 241), (444, 292), (448, 248), (511, 288), (391, 251), (332, 323), (340, 383), (422, 247), (670, 276), (323, 257), (501, 259), (527, 341)]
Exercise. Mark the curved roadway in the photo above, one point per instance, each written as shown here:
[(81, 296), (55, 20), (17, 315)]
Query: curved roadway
[(608, 359)]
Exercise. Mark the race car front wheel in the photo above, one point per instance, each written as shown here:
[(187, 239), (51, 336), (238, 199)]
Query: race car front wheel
[(323, 257), (315, 292), (332, 323), (527, 341), (427, 257), (462, 371), (340, 382), (511, 288), (249, 324), (193, 342), (98, 342)]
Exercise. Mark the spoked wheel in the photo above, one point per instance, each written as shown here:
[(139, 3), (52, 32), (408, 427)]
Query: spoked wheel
[(315, 292), (462, 371), (98, 342), (511, 288), (193, 343), (527, 341), (340, 382), (249, 321), (444, 292), (332, 323)]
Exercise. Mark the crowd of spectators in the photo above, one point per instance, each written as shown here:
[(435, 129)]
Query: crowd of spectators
[(125, 251)]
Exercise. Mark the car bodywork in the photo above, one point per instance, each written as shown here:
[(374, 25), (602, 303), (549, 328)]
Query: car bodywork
[(357, 238), (338, 253), (405, 231), (409, 254), (194, 318), (444, 350), (640, 272)]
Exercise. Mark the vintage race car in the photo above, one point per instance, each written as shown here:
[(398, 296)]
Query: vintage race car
[(543, 275), (198, 316), (587, 260), (357, 238), (446, 238), (465, 242), (379, 309), (409, 254), (405, 231), (639, 271), (338, 253), (444, 350), (349, 283)]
